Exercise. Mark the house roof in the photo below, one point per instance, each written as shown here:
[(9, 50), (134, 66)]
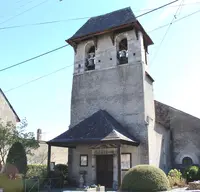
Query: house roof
[(165, 113), (99, 127), (108, 22), (162, 114), (11, 107)]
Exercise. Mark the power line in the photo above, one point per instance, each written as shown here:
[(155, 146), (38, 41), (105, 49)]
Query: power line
[(57, 21), (157, 8), (81, 18), (20, 63), (44, 23), (31, 81), (185, 4), (16, 15), (170, 24), (26, 3), (184, 17), (41, 77)]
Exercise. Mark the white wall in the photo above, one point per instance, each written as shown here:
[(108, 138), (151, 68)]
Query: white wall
[(6, 114), (59, 155), (81, 150), (90, 178), (106, 52), (135, 155), (160, 147)]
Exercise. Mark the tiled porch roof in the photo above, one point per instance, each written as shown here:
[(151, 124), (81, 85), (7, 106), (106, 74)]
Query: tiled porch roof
[(98, 128)]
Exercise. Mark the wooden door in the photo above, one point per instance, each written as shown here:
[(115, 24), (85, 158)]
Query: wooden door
[(104, 170)]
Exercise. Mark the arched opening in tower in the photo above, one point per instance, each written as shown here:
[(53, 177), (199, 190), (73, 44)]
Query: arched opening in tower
[(122, 53), (90, 59)]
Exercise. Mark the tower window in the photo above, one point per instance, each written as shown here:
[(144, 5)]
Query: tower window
[(90, 59), (122, 53), (187, 161)]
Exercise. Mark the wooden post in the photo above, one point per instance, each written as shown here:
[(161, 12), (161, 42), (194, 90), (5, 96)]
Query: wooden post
[(119, 164), (49, 158)]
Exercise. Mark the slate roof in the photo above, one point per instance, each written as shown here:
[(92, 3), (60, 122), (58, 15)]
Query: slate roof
[(106, 22), (99, 127)]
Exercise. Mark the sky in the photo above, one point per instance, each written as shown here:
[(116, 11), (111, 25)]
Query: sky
[(174, 64)]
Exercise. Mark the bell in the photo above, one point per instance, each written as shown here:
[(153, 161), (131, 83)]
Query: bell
[(90, 62)]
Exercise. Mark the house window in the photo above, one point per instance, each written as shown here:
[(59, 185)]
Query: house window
[(122, 53), (83, 160), (187, 161), (90, 59), (125, 161)]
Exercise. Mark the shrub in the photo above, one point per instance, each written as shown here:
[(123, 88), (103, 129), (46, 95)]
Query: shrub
[(39, 171), (175, 178), (145, 178), (192, 173), (63, 169), (11, 185), (17, 157), (35, 173)]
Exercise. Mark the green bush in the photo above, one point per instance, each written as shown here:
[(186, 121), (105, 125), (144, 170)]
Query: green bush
[(17, 157), (11, 185), (175, 178), (63, 169), (39, 171), (192, 173), (145, 178)]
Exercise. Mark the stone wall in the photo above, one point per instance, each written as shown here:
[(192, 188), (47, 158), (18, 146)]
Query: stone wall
[(185, 135), (118, 89)]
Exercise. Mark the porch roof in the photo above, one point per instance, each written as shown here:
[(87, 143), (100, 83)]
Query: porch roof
[(100, 127)]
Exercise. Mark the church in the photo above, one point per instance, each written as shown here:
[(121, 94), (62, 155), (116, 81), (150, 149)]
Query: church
[(115, 121)]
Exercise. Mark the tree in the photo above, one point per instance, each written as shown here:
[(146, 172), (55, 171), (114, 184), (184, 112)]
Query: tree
[(9, 134), (17, 157)]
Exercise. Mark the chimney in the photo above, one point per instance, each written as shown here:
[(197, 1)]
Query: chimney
[(39, 134)]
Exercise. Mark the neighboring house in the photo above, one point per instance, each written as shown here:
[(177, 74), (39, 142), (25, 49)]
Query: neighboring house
[(115, 121), (7, 112), (59, 155)]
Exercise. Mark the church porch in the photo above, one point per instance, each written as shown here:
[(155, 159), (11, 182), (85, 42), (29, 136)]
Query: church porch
[(104, 163), (101, 151)]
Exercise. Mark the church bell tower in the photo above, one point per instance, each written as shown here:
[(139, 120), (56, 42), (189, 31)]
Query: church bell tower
[(110, 73)]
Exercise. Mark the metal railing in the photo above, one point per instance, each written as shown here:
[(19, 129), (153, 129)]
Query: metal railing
[(43, 184)]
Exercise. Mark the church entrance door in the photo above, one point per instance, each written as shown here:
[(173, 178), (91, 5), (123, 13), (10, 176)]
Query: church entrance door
[(104, 170)]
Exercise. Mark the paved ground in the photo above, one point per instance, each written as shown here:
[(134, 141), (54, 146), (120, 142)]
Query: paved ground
[(184, 190), (174, 190)]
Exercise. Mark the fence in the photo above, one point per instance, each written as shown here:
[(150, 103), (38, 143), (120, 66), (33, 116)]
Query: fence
[(43, 185)]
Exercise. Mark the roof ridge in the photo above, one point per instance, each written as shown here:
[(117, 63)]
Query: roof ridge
[(113, 12), (173, 108), (103, 112)]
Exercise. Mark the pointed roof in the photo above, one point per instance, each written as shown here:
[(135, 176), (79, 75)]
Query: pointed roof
[(99, 127), (10, 106), (112, 21)]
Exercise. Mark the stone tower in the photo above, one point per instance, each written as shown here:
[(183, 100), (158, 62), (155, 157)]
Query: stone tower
[(110, 73)]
